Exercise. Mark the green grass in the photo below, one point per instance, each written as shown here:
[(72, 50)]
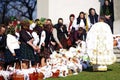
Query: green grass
[(113, 73)]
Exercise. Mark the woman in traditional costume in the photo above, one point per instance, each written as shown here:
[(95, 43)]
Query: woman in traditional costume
[(39, 38), (27, 47), (93, 16), (107, 11), (71, 31), (80, 21), (80, 35), (100, 46), (51, 39), (13, 47)]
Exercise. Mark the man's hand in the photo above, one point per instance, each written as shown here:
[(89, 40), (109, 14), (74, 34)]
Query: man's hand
[(14, 54)]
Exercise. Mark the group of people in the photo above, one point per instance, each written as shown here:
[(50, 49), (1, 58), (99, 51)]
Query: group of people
[(21, 40)]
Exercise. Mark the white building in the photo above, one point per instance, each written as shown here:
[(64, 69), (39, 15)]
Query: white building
[(55, 9)]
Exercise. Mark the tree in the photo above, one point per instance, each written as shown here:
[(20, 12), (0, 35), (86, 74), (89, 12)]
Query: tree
[(18, 8), (4, 9), (25, 8)]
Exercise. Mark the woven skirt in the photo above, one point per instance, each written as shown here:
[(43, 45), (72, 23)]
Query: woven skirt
[(27, 52)]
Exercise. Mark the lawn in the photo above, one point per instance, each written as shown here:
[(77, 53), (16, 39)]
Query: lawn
[(113, 73)]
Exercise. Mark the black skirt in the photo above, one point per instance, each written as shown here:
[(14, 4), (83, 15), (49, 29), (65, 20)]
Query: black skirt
[(9, 58), (27, 52)]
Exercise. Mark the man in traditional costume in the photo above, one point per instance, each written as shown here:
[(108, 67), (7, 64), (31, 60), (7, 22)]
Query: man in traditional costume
[(2, 43), (100, 46)]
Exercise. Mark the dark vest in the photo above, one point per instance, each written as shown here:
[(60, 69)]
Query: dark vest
[(2, 43), (93, 19), (79, 20)]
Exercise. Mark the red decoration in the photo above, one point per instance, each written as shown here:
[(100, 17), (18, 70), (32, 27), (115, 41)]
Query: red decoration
[(1, 77), (56, 74), (17, 77)]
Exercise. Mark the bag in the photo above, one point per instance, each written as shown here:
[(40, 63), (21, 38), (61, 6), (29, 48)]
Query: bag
[(33, 76), (40, 76), (17, 77), (56, 74), (1, 77), (115, 43)]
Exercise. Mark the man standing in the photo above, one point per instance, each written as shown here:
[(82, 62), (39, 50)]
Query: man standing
[(2, 43), (100, 46)]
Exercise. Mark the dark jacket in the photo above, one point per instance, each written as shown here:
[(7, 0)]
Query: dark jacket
[(80, 35), (2, 42)]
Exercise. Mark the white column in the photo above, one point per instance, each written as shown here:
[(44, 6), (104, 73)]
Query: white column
[(117, 16)]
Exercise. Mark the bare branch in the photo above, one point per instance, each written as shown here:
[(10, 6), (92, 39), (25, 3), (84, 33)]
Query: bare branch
[(22, 13), (35, 4)]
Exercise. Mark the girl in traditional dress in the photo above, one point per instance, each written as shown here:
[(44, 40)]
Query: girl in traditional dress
[(93, 16), (70, 27), (13, 46), (27, 47), (80, 35), (45, 36), (80, 21), (107, 12), (71, 31), (51, 39)]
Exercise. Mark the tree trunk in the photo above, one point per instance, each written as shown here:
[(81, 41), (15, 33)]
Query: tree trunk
[(3, 15)]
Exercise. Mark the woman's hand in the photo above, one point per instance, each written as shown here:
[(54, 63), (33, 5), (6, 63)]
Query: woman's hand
[(107, 16), (53, 43), (60, 45)]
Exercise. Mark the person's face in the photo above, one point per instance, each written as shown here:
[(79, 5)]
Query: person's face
[(82, 16), (10, 24), (92, 12), (60, 21), (18, 22), (72, 19), (106, 3), (45, 21), (2, 30), (0, 67), (48, 22), (24, 66)]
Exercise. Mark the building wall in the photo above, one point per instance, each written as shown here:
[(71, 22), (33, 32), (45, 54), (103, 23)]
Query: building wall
[(117, 16), (55, 9), (42, 8), (117, 9)]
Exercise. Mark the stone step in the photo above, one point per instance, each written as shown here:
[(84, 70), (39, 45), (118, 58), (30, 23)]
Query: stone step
[(117, 53), (118, 60)]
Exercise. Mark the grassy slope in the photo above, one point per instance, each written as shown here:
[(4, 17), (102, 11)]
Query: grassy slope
[(113, 73)]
